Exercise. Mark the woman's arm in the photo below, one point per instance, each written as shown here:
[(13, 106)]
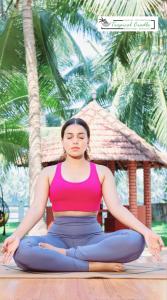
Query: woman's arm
[(113, 204), (37, 208), (153, 241)]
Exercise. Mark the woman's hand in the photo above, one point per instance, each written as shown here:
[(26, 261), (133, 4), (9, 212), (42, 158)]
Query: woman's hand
[(9, 247), (154, 243)]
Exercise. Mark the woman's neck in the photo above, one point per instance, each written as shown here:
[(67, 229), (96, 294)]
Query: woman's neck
[(75, 163)]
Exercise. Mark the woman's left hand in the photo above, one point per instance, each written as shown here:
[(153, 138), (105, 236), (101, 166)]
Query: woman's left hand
[(154, 243)]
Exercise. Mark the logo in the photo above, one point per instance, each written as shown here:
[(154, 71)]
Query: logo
[(106, 23)]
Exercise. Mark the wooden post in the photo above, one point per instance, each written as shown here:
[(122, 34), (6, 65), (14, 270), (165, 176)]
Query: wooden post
[(147, 193), (111, 165), (109, 221), (132, 187)]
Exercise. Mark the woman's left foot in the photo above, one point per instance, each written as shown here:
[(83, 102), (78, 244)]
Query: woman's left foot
[(51, 247)]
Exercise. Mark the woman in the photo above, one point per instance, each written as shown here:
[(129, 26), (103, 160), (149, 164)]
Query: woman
[(75, 241)]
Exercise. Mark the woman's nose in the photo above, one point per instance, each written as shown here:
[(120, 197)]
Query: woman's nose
[(75, 140)]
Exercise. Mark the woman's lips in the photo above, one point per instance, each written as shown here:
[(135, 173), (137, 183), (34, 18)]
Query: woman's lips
[(75, 148)]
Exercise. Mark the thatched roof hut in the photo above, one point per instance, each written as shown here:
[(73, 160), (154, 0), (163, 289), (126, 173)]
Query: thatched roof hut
[(111, 140)]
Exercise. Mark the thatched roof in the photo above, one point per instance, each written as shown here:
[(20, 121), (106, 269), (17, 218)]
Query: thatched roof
[(110, 140)]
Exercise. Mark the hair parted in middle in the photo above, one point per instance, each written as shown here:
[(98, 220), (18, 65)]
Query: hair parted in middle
[(81, 122)]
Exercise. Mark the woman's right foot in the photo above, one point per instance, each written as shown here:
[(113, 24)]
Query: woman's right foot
[(51, 247), (95, 266)]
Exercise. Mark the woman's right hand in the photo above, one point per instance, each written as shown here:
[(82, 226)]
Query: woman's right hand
[(9, 247)]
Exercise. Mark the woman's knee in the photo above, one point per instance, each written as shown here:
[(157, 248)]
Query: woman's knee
[(22, 253), (135, 245), (19, 258), (25, 258), (137, 242)]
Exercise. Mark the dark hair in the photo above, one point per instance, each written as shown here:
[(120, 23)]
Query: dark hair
[(79, 122)]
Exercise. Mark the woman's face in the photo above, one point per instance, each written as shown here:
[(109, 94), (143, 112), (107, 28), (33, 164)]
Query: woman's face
[(75, 136)]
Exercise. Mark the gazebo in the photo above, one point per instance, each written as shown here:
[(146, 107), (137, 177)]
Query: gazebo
[(115, 145)]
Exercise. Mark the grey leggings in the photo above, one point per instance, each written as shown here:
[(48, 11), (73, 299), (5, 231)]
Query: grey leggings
[(84, 240)]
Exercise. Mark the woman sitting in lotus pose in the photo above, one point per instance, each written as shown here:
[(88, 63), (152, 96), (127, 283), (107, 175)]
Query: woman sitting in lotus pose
[(75, 241)]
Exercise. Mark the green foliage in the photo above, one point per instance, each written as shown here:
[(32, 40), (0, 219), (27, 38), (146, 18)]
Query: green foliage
[(13, 109), (11, 35), (122, 7), (138, 64), (130, 74), (54, 43), (10, 228), (160, 228)]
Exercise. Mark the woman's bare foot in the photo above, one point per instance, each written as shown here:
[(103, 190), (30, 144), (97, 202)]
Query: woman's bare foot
[(95, 266), (51, 247)]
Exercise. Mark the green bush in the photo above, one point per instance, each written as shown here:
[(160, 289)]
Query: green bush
[(9, 228), (160, 228)]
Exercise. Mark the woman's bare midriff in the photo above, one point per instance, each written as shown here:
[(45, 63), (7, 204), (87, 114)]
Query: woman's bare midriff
[(74, 213)]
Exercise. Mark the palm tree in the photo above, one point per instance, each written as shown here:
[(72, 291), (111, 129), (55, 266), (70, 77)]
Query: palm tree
[(137, 63), (138, 80), (44, 21), (33, 92), (13, 107), (34, 105)]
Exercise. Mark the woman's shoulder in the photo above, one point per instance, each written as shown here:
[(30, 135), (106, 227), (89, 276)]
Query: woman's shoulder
[(102, 171), (48, 171), (101, 168)]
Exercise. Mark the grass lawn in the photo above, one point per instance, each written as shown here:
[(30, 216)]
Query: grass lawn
[(157, 226), (9, 228), (160, 228)]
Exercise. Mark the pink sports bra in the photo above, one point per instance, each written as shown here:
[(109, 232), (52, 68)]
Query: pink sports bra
[(83, 196)]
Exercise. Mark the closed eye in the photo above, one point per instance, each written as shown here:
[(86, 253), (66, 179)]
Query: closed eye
[(70, 138)]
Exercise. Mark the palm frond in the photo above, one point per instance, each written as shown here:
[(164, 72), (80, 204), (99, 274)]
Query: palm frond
[(133, 104), (13, 142), (123, 7), (13, 94), (79, 22), (47, 55), (159, 116), (11, 36)]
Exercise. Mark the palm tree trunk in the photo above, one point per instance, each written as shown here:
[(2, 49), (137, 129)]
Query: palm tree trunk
[(34, 108)]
